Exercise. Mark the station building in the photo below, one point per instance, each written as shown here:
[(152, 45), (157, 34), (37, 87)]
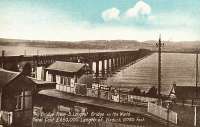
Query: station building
[(70, 77)]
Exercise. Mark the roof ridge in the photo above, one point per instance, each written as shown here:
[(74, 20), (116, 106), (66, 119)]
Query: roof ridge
[(14, 72), (65, 66)]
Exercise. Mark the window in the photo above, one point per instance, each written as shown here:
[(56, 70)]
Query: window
[(49, 77), (58, 79), (66, 81), (19, 104), (23, 100), (62, 80)]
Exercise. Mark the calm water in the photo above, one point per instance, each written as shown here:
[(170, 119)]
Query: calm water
[(25, 50), (176, 67)]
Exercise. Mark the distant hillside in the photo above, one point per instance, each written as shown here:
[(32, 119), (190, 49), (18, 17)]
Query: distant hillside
[(184, 46), (95, 44), (181, 46)]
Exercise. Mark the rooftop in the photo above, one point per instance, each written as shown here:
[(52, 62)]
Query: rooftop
[(40, 84), (7, 76), (187, 92), (66, 66)]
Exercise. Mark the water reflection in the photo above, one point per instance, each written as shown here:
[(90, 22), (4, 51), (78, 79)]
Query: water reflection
[(176, 67)]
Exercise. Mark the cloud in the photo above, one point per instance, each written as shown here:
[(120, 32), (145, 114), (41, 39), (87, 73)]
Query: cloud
[(140, 9), (140, 13), (111, 14)]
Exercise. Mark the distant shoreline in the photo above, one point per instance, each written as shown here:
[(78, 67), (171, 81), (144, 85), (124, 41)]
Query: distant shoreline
[(174, 47)]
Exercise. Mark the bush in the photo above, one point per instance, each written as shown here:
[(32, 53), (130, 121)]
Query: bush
[(135, 91), (152, 92)]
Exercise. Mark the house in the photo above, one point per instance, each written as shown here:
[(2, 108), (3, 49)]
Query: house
[(185, 93), (16, 93), (15, 99), (68, 75)]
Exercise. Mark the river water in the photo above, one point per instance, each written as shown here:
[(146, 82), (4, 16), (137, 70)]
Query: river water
[(177, 68), (27, 50)]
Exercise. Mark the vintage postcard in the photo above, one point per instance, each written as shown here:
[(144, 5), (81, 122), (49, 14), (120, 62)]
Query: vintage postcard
[(99, 63)]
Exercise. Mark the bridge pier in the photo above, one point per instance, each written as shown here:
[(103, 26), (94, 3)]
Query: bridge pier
[(116, 63), (103, 68), (124, 60), (97, 68), (132, 58), (108, 66), (129, 59), (119, 62), (91, 66), (112, 65)]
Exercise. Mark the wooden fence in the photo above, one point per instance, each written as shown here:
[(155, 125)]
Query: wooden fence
[(162, 112)]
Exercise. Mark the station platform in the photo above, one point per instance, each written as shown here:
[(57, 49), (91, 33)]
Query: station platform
[(103, 104)]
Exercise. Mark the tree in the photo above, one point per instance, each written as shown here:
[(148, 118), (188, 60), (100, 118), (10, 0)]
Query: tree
[(135, 91), (152, 92), (27, 69)]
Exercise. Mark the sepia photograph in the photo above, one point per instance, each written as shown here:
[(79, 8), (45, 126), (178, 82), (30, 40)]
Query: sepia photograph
[(99, 63)]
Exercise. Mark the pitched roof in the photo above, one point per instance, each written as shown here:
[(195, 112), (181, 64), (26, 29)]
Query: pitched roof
[(43, 84), (66, 66), (187, 92), (7, 76)]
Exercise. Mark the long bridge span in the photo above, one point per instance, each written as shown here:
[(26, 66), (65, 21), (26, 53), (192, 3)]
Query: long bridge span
[(103, 62)]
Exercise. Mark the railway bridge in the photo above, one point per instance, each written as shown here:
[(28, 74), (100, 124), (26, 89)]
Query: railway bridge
[(100, 62)]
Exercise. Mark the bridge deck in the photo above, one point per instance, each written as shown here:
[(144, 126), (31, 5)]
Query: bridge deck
[(102, 103)]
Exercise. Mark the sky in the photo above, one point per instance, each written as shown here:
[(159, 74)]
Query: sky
[(77, 20)]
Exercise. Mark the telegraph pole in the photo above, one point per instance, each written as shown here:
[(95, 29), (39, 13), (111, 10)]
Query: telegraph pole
[(197, 73), (159, 66), (197, 81), (159, 44)]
